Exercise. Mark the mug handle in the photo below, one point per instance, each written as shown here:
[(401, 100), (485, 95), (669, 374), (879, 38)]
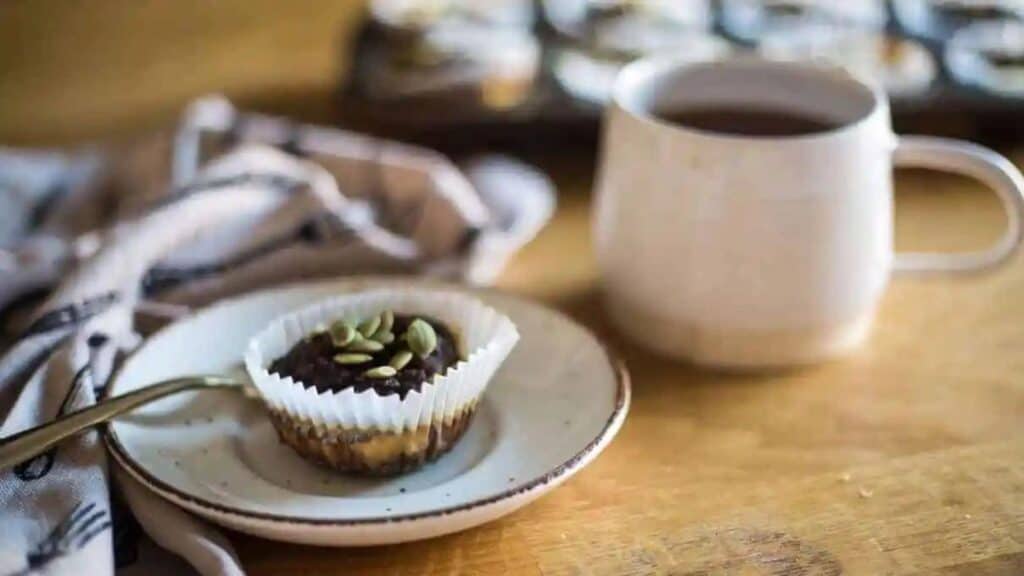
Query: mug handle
[(990, 168)]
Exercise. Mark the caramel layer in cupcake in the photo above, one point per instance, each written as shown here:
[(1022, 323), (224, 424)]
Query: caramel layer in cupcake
[(373, 453)]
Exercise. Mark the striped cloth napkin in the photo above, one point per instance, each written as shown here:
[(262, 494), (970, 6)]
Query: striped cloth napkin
[(99, 247)]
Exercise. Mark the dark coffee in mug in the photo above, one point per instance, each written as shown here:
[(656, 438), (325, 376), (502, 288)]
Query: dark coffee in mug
[(747, 121)]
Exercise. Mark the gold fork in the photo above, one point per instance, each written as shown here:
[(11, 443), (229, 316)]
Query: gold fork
[(19, 447)]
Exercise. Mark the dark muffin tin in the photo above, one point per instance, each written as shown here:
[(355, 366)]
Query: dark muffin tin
[(954, 103)]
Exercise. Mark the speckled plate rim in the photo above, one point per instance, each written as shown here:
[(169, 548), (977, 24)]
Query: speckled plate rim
[(507, 501)]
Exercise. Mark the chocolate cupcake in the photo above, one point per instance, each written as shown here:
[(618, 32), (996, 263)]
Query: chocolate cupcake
[(750, 20), (939, 20), (406, 17), (612, 34), (989, 56), (903, 66), (381, 382), (494, 68)]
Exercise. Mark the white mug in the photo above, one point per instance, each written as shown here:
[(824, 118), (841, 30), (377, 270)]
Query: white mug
[(753, 251)]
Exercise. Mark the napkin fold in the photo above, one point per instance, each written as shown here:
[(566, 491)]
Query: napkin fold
[(100, 246)]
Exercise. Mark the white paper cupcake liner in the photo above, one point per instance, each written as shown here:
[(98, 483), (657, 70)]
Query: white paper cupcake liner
[(484, 336)]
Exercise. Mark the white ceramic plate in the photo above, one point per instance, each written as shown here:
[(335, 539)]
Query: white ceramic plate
[(557, 402)]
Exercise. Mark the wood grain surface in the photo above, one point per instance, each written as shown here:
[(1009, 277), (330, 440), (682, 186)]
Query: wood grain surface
[(905, 458)]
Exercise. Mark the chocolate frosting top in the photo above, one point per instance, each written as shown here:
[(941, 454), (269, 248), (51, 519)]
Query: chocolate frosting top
[(311, 362)]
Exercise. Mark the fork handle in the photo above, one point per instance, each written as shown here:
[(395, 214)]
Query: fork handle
[(19, 447)]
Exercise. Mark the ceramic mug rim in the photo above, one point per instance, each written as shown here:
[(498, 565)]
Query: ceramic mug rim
[(640, 73)]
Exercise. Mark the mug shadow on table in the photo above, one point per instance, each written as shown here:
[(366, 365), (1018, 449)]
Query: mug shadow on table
[(588, 309)]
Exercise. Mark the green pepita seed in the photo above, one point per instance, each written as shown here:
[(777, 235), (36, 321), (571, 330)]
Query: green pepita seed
[(348, 358), (421, 337), (380, 372), (369, 326), (385, 338), (364, 345), (342, 334), (400, 359), (387, 321), (320, 328)]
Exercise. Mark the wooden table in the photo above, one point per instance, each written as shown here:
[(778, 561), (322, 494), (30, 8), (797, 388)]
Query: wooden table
[(905, 458)]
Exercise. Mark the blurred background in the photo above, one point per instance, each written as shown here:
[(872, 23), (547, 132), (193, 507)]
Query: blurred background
[(523, 77), (75, 71), (504, 70), (530, 78)]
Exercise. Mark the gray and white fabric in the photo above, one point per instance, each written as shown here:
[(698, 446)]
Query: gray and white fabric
[(101, 246)]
